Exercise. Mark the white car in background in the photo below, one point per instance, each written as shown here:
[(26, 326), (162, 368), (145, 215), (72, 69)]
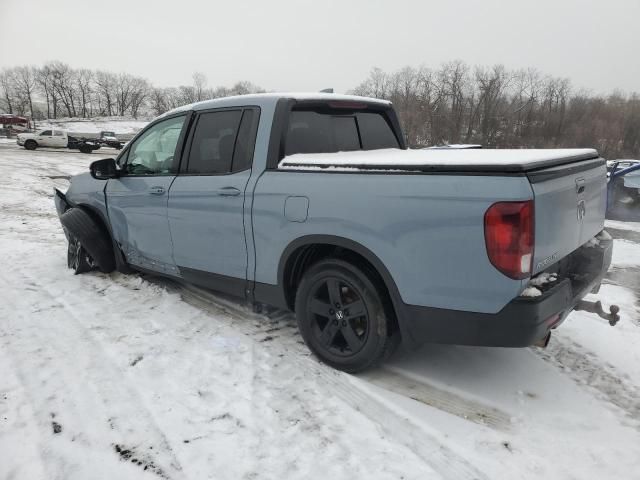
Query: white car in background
[(44, 138)]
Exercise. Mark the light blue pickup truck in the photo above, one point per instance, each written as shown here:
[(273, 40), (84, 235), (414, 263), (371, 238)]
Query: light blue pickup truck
[(312, 202)]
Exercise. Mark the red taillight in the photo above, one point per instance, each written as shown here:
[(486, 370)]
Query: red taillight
[(508, 234), (348, 105)]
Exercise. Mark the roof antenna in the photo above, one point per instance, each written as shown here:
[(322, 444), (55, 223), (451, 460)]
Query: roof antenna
[(327, 90)]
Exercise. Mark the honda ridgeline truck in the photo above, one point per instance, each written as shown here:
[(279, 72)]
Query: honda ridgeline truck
[(312, 202)]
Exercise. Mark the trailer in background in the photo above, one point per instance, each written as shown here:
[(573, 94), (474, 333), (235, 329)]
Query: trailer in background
[(14, 124)]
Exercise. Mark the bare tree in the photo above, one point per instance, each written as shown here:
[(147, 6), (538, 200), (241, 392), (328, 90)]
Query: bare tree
[(25, 81), (64, 84), (106, 85), (139, 92), (44, 80), (84, 79), (8, 86), (199, 86)]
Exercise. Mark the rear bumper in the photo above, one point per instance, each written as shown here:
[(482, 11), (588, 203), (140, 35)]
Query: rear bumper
[(523, 321)]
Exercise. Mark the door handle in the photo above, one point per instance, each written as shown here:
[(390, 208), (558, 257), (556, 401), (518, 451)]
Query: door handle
[(156, 190), (228, 192)]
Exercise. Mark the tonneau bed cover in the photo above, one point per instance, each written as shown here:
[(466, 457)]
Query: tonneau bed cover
[(426, 160)]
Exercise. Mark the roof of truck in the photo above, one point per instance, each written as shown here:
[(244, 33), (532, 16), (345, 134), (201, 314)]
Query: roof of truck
[(263, 98)]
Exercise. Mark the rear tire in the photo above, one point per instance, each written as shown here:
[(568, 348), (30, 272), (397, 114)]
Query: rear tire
[(85, 149), (30, 145), (92, 237), (341, 316)]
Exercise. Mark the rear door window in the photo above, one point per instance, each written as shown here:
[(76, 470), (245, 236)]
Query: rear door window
[(245, 144), (213, 142), (330, 131)]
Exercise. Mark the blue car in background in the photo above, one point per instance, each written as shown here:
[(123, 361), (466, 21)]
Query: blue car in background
[(623, 190)]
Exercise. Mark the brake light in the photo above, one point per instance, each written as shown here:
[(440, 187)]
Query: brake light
[(508, 234), (348, 105)]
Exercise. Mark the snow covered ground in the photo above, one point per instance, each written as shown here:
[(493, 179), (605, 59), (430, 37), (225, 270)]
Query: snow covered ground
[(132, 377), (88, 126)]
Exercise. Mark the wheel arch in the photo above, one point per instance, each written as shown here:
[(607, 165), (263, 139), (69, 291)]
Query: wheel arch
[(303, 252), (100, 218)]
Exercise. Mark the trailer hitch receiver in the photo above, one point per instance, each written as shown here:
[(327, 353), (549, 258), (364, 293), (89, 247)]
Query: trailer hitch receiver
[(596, 307)]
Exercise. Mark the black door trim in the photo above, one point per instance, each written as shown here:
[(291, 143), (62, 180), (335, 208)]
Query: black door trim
[(221, 283)]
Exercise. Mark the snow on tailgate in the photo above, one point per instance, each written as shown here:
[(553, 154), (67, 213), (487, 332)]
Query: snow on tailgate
[(516, 160)]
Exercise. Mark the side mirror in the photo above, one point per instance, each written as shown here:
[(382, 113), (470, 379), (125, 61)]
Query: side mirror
[(104, 169)]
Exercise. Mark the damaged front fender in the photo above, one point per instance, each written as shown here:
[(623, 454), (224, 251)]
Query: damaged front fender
[(60, 199)]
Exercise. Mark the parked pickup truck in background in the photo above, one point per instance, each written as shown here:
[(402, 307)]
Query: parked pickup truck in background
[(311, 202), (43, 138), (109, 139), (57, 139)]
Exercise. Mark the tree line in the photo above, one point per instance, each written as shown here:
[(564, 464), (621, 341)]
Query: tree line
[(455, 103), (57, 90), (501, 108)]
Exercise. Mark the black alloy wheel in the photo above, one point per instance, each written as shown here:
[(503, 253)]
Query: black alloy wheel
[(78, 259), (341, 316)]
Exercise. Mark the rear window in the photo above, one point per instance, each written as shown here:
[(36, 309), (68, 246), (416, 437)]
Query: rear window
[(375, 132), (330, 131)]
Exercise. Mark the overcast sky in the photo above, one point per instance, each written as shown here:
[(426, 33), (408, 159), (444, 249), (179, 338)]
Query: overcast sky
[(310, 45)]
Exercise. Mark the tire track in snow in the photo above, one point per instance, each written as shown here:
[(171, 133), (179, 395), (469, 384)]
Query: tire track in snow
[(443, 460), (420, 391), (583, 368), (106, 384), (16, 414)]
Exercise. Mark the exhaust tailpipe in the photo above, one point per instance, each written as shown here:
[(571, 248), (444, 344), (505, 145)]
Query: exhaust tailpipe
[(544, 341)]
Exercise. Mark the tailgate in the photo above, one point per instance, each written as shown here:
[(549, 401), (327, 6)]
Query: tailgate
[(570, 205)]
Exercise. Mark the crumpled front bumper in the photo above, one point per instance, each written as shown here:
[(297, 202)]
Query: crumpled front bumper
[(59, 198), (523, 321), (62, 205)]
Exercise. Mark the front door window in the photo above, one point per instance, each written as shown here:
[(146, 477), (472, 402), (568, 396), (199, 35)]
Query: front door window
[(153, 153)]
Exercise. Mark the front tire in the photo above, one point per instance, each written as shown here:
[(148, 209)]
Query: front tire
[(341, 316), (92, 237), (78, 259), (30, 145)]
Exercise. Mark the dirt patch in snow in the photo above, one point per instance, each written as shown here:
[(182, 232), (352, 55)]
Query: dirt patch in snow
[(141, 459)]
